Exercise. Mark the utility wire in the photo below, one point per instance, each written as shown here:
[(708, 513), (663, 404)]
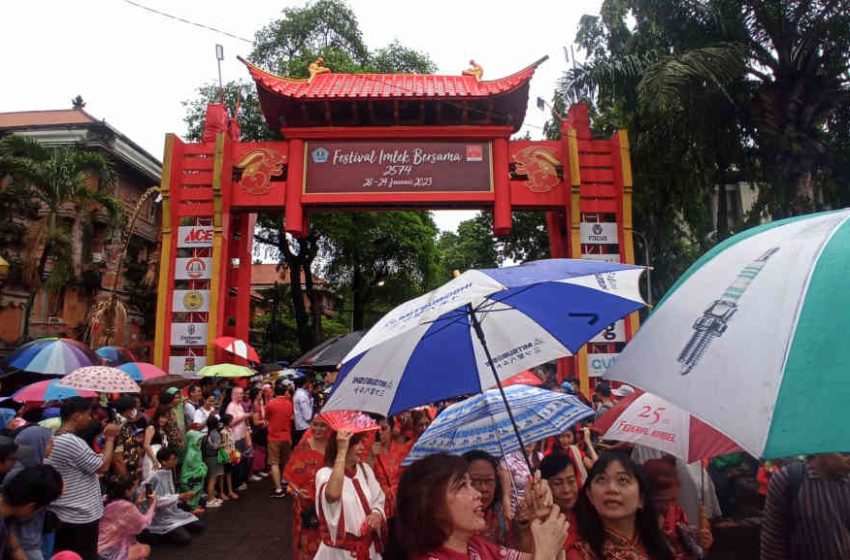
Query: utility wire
[(183, 20), (215, 30)]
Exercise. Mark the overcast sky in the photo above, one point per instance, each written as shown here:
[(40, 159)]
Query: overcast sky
[(134, 67)]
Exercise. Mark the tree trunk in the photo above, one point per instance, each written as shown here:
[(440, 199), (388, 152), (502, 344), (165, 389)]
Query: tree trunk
[(42, 264), (358, 296)]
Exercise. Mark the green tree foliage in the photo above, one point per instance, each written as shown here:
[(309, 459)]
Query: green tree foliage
[(329, 28), (71, 186), (396, 58), (252, 124), (364, 252), (714, 92), (326, 28), (779, 67)]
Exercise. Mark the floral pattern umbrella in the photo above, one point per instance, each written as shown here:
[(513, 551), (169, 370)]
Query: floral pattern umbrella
[(103, 379)]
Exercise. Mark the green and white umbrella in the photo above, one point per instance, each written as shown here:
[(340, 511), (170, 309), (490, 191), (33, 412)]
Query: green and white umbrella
[(753, 338)]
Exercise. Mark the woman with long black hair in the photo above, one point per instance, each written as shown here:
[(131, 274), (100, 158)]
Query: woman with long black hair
[(616, 515)]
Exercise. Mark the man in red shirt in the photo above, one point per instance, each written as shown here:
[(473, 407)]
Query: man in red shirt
[(279, 413)]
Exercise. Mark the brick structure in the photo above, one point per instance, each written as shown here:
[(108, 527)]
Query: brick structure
[(95, 266)]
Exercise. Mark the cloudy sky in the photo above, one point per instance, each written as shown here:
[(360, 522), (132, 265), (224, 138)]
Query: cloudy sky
[(134, 67)]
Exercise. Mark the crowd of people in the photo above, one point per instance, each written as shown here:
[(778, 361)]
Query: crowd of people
[(109, 479)]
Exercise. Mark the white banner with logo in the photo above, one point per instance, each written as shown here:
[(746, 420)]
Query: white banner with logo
[(194, 236), (193, 268), (600, 233), (186, 365), (615, 332), (610, 257), (598, 364), (191, 301), (188, 334)]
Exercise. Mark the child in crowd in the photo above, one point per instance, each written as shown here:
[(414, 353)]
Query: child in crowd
[(122, 521), (215, 470), (227, 443), (170, 522)]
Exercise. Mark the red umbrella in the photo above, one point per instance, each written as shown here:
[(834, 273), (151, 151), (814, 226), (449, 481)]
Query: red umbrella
[(526, 377), (237, 347), (649, 420)]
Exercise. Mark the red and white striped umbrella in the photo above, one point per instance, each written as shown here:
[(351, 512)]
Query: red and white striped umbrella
[(237, 347), (649, 420)]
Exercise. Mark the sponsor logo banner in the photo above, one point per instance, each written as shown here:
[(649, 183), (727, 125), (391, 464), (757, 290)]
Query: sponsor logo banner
[(602, 233), (598, 364), (611, 257), (186, 365), (408, 166), (193, 268), (194, 236), (191, 301), (188, 334), (615, 332)]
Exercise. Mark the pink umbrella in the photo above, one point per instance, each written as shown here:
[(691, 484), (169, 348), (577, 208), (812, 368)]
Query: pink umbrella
[(48, 390), (649, 420), (237, 347), (141, 371), (102, 379)]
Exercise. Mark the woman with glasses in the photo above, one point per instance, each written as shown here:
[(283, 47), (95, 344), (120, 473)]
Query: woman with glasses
[(484, 476)]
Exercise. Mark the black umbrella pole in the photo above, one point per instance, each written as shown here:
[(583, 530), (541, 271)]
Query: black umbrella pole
[(479, 332)]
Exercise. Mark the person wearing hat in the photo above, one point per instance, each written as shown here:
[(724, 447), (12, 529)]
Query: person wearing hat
[(663, 485)]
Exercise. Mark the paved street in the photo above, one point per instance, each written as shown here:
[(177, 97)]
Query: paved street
[(255, 528)]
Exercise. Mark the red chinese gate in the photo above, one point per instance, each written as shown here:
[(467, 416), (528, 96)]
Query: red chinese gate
[(371, 141)]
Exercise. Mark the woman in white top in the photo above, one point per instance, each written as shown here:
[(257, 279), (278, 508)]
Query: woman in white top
[(203, 412), (349, 502), (240, 436)]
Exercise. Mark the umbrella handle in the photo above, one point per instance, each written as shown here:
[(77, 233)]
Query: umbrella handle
[(479, 332)]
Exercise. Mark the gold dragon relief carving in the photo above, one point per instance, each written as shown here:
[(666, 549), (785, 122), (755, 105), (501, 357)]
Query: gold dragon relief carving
[(258, 167), (540, 167)]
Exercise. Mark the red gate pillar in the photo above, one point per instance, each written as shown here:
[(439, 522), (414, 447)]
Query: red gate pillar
[(501, 187), (294, 211), (243, 285)]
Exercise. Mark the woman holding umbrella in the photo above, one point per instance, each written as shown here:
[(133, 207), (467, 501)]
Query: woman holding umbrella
[(300, 472), (349, 502), (441, 516)]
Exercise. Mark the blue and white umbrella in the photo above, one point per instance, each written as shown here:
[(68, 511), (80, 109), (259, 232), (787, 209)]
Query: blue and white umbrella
[(430, 348), (482, 422)]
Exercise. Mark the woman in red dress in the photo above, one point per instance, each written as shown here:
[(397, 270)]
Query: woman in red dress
[(300, 472), (440, 516), (617, 515)]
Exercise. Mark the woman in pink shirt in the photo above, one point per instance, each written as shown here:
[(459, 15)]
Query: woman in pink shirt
[(240, 436)]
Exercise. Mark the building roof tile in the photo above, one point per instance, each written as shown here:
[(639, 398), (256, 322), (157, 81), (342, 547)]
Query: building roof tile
[(389, 86)]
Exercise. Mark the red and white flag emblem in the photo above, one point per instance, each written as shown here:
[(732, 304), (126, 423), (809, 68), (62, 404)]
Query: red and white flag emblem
[(474, 152)]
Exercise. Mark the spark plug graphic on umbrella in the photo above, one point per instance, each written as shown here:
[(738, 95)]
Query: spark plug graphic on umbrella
[(714, 320)]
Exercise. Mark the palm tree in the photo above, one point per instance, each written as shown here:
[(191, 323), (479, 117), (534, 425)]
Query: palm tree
[(789, 56), (71, 185)]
